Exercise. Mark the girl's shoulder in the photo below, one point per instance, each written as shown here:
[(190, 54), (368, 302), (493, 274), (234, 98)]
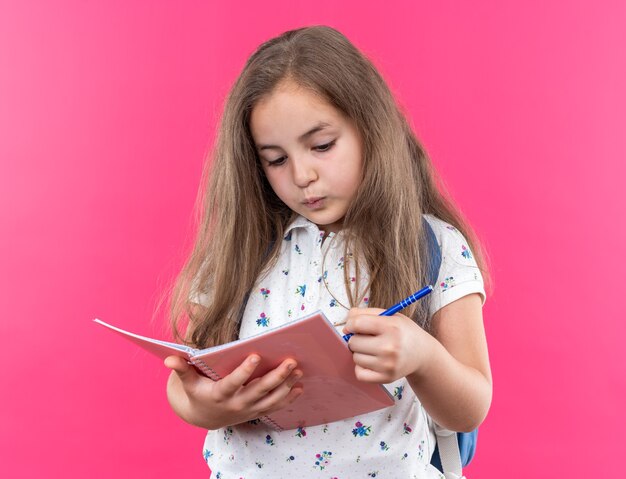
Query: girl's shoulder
[(459, 273), (444, 232)]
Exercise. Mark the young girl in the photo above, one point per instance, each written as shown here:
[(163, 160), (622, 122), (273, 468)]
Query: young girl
[(319, 197)]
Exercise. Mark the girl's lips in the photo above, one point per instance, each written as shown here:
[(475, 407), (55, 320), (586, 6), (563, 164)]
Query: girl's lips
[(314, 203)]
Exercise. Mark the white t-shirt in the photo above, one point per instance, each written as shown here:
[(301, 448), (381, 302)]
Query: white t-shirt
[(390, 443)]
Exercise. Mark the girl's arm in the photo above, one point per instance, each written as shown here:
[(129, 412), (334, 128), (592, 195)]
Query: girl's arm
[(213, 404), (449, 372)]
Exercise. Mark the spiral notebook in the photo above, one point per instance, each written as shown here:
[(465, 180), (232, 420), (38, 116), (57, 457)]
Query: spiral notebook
[(331, 390)]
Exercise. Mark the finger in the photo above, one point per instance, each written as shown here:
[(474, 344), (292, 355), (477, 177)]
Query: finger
[(293, 395), (176, 363), (370, 311), (181, 367), (270, 381), (370, 344), (365, 323), (368, 375), (370, 362), (254, 385), (283, 394), (230, 384)]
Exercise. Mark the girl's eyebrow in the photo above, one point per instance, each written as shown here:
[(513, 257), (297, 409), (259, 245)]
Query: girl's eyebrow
[(319, 127)]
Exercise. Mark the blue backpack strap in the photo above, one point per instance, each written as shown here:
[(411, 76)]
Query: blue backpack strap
[(434, 253), (467, 445), (467, 440)]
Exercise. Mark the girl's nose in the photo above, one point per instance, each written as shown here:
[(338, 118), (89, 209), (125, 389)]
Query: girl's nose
[(304, 172)]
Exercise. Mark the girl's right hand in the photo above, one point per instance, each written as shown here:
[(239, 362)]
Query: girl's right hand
[(210, 404)]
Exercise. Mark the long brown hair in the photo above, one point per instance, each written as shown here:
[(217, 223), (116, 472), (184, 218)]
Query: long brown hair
[(241, 217)]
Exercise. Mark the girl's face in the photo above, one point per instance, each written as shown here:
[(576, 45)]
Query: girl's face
[(310, 153)]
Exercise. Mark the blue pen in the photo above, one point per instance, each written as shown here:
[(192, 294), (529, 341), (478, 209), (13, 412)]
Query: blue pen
[(401, 305)]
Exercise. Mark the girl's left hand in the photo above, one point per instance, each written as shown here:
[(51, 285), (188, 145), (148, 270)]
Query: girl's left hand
[(385, 348)]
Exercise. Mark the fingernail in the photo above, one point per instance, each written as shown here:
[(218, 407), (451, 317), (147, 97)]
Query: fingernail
[(291, 366), (255, 359)]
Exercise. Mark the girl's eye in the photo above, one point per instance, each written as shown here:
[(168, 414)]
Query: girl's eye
[(325, 146), (277, 161)]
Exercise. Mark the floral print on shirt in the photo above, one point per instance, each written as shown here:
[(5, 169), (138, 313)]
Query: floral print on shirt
[(263, 320), (447, 283), (397, 392), (322, 459), (361, 430)]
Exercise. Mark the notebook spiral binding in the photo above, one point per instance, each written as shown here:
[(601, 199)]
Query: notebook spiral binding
[(270, 422), (211, 374), (208, 372)]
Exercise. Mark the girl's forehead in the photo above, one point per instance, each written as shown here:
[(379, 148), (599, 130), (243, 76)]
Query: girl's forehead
[(293, 110)]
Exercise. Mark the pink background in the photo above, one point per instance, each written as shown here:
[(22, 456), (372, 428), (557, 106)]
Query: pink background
[(106, 112)]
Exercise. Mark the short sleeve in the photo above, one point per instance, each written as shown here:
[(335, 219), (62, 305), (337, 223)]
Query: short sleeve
[(459, 274), (201, 299), (198, 294)]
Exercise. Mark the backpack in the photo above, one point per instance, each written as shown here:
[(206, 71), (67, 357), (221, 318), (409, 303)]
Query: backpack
[(453, 450)]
